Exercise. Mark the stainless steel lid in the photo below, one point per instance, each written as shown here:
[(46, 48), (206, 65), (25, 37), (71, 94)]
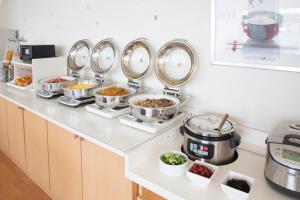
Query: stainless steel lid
[(103, 57), (175, 63), (206, 125), (136, 59), (79, 55)]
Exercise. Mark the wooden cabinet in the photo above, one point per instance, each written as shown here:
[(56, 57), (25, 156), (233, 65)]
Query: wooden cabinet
[(61, 163), (103, 174), (64, 164), (16, 137), (36, 143), (145, 194), (3, 127)]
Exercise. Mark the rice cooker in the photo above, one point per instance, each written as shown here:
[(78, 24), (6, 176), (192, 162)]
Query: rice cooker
[(282, 167), (203, 141)]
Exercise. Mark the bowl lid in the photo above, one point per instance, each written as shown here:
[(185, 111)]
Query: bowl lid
[(175, 63), (79, 55), (136, 59), (206, 125), (103, 56)]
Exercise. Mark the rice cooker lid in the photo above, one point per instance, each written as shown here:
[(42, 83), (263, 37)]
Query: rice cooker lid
[(206, 125), (103, 56), (79, 55), (175, 63), (279, 133), (136, 59)]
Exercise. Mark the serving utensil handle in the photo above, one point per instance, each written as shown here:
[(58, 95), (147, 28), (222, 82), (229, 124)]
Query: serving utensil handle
[(223, 122)]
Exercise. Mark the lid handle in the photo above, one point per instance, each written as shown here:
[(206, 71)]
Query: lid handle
[(141, 39), (295, 127), (134, 84), (100, 79), (172, 92), (292, 139), (180, 40), (182, 129), (75, 74), (235, 141)]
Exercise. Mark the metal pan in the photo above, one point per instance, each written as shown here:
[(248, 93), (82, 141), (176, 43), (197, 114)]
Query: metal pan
[(151, 115), (112, 101), (79, 93), (54, 87)]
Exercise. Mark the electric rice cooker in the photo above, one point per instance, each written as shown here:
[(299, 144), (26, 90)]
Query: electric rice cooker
[(282, 167), (204, 141)]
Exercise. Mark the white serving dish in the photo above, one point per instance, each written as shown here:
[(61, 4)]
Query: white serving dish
[(173, 170), (198, 179), (235, 193)]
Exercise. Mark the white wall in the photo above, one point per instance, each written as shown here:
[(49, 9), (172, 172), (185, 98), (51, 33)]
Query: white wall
[(257, 98), (2, 14)]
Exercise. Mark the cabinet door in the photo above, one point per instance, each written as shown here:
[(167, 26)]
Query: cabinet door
[(146, 194), (3, 127), (64, 164), (16, 137), (103, 174), (36, 142)]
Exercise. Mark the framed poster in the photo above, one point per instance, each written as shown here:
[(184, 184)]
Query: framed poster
[(261, 34)]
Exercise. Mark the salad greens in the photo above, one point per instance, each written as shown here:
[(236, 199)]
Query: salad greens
[(170, 158)]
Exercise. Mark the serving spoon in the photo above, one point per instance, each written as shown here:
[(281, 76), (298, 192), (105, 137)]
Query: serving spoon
[(222, 123)]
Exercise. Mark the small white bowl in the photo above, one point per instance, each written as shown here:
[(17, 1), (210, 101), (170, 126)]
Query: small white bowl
[(235, 193), (198, 179), (173, 170)]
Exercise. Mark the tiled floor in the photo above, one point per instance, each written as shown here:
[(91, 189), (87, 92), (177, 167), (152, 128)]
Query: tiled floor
[(15, 185)]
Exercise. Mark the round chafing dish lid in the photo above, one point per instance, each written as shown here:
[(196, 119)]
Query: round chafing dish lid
[(79, 55), (136, 59), (175, 63), (206, 125), (103, 56)]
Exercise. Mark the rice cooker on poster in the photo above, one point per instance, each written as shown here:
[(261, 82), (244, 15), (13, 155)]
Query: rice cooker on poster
[(262, 25)]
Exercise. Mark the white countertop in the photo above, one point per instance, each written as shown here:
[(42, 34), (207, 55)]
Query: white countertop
[(142, 150), (108, 133), (143, 168)]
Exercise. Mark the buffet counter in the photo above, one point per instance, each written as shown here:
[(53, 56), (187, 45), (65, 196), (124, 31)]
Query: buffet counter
[(108, 133), (139, 153)]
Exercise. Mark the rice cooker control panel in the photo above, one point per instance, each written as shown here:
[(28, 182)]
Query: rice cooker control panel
[(286, 155), (200, 150)]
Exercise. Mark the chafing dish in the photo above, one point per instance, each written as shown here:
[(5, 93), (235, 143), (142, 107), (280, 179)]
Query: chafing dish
[(54, 87), (112, 101), (174, 66), (79, 93), (151, 115)]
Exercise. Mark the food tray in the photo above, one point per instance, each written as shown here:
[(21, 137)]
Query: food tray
[(12, 84)]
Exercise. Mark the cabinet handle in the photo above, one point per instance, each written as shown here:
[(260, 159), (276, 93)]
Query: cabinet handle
[(76, 136), (81, 139), (20, 108)]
